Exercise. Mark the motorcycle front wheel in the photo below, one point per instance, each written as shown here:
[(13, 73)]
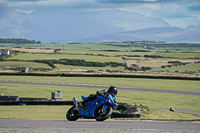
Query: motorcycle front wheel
[(101, 115), (72, 115)]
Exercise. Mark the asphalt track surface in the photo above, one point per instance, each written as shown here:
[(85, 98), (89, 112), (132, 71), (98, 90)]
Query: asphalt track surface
[(8, 125)]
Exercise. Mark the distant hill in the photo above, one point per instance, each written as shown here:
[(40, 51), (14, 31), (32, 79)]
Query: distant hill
[(52, 25), (11, 23), (168, 34), (193, 28), (59, 25)]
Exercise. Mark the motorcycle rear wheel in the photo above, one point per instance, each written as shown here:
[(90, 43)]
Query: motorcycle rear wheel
[(72, 115), (101, 116)]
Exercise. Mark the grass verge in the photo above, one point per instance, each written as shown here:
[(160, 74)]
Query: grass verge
[(59, 113)]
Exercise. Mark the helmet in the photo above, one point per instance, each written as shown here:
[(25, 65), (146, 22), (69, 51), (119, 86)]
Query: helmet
[(112, 89)]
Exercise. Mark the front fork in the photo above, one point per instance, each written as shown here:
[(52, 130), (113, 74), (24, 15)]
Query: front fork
[(75, 103), (103, 109)]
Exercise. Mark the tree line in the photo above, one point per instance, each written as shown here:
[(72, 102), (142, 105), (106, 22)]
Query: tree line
[(19, 41), (77, 62)]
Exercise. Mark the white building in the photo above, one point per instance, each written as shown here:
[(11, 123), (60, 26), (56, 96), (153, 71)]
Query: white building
[(4, 52)]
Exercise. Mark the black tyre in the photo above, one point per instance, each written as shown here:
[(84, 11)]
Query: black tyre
[(103, 115), (71, 114)]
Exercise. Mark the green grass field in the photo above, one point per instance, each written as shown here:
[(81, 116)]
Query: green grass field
[(162, 100), (128, 53), (79, 46), (153, 100), (155, 62), (161, 84), (178, 55), (155, 46), (23, 64), (193, 68), (140, 61), (156, 100), (109, 52), (34, 112), (66, 56), (65, 68), (105, 53), (102, 56)]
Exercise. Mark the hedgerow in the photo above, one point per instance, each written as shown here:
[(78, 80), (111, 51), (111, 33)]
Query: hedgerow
[(77, 62)]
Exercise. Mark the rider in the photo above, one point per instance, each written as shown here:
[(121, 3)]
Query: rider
[(112, 91)]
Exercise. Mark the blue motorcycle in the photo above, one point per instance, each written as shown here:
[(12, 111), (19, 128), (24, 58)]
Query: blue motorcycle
[(100, 109)]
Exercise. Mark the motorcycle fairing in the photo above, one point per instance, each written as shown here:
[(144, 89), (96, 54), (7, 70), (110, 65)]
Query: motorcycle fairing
[(92, 105)]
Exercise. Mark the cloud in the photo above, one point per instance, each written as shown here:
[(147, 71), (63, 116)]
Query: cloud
[(25, 11), (177, 14), (98, 3), (21, 3), (126, 1), (185, 11)]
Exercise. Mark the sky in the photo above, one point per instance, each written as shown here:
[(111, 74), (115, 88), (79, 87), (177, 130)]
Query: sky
[(177, 13)]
